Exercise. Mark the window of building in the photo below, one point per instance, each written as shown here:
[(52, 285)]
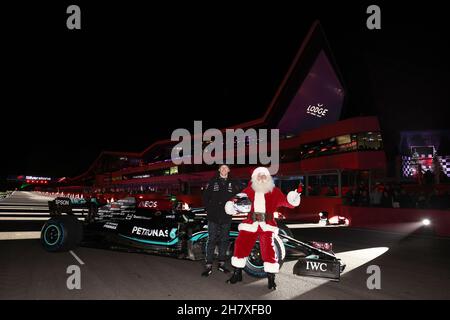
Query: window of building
[(287, 185), (369, 141), (344, 143), (323, 185)]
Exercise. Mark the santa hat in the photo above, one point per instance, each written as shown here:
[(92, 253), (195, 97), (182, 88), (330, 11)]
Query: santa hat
[(262, 170)]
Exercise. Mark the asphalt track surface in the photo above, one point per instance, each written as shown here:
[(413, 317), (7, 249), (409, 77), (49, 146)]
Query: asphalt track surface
[(413, 267)]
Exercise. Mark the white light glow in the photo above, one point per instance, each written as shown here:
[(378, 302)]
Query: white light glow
[(295, 287)]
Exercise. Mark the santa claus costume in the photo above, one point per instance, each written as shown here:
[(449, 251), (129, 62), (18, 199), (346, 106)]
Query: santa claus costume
[(260, 223)]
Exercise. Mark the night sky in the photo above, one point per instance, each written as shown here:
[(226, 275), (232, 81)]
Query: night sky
[(135, 73)]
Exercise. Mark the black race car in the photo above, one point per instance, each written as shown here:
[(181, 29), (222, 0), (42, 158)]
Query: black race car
[(163, 227)]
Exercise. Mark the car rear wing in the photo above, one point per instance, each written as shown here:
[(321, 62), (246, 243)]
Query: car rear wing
[(62, 205), (59, 206)]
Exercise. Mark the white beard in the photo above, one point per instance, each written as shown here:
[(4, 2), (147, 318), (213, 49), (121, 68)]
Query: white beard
[(263, 187)]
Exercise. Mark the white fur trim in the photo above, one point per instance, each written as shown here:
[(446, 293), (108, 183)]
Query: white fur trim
[(259, 204), (262, 170), (281, 244), (248, 227), (293, 198), (238, 262), (253, 227), (229, 208), (267, 227), (271, 267)]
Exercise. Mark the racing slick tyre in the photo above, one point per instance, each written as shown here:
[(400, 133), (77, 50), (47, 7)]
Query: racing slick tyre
[(284, 229), (255, 265), (61, 233)]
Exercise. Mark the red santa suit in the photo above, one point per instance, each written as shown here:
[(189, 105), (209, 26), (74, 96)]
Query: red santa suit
[(250, 230)]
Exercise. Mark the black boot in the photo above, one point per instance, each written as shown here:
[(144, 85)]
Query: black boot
[(221, 267), (271, 281), (208, 270), (236, 277)]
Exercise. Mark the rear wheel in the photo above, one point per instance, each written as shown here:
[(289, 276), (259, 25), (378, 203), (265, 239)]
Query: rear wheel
[(61, 233)]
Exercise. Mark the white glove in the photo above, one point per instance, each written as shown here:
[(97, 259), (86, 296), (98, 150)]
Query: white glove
[(229, 208), (293, 198)]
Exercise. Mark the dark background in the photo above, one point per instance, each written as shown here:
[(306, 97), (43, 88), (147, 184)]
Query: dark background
[(135, 72)]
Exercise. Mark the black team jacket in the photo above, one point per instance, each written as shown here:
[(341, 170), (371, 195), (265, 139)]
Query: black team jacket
[(216, 194)]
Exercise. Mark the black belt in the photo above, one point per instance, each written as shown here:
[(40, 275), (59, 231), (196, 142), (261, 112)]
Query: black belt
[(258, 216)]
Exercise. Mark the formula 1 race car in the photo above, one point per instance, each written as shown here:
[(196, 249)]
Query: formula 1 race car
[(162, 227)]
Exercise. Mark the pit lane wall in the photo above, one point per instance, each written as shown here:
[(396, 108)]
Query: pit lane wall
[(397, 219), (384, 219)]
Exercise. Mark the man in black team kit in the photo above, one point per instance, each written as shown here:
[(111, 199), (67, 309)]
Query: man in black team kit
[(219, 190)]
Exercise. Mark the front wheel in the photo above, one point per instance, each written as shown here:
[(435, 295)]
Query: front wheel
[(255, 265)]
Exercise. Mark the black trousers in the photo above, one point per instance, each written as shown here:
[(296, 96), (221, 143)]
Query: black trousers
[(218, 235)]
